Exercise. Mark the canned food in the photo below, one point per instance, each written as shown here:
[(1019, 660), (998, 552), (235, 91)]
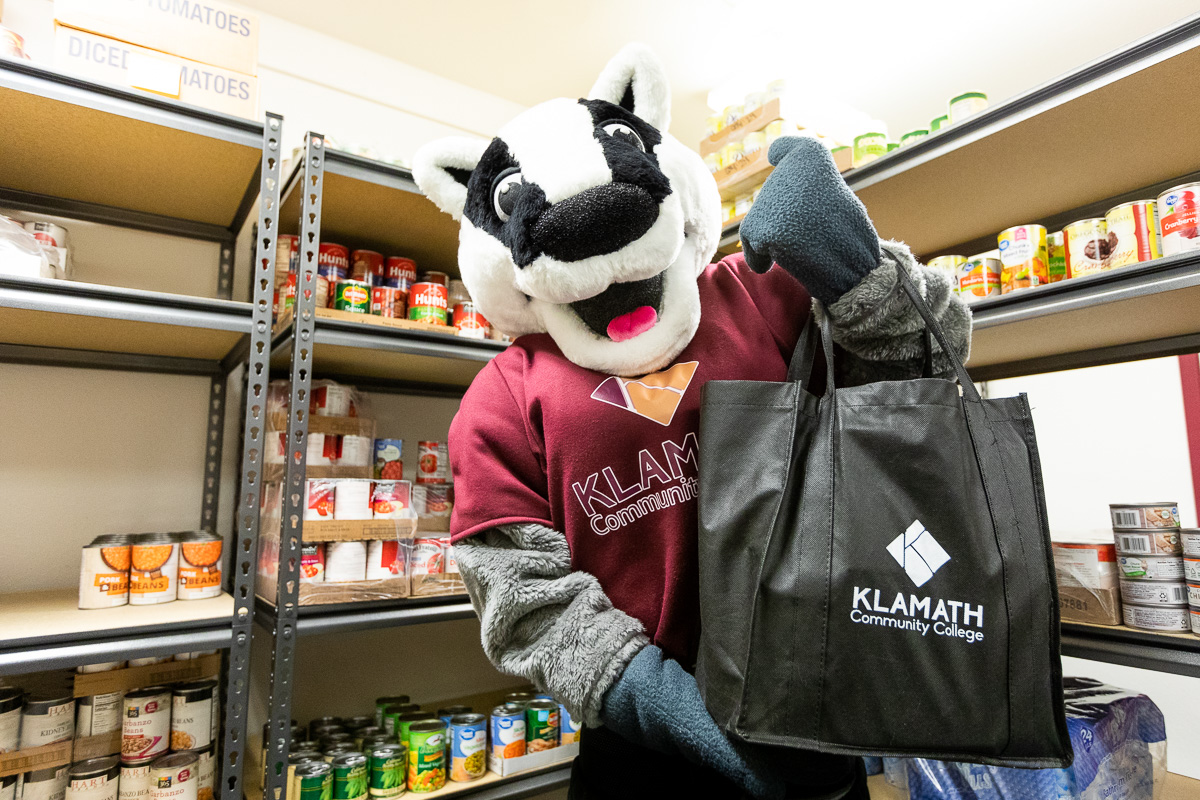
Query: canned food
[(200, 565), (432, 462), (1056, 257), (149, 661), (1193, 590), (1151, 568), (350, 776), (94, 779), (426, 557), (468, 747), (508, 731), (1139, 516), (195, 714), (1133, 233), (541, 725), (48, 233), (469, 322), (521, 699), (352, 296), (868, 147), (1164, 619), (964, 105), (175, 777), (1153, 542), (403, 271), (312, 562), (45, 784), (449, 562), (335, 737), (403, 722), (440, 278), (427, 755), (135, 782), (11, 700), (388, 766), (388, 463), (1023, 258), (979, 276), (146, 724), (427, 302), (335, 258), (569, 728), (1179, 216), (1147, 593), (320, 499), (154, 569), (1088, 247), (313, 781), (99, 714), (950, 266), (366, 265), (104, 574), (367, 741), (317, 723), (1191, 570), (388, 301), (285, 296), (1194, 614), (47, 718), (287, 257), (1189, 539), (391, 700), (208, 773)]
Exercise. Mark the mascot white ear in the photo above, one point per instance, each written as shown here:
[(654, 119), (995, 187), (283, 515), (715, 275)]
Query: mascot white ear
[(636, 80), (443, 167)]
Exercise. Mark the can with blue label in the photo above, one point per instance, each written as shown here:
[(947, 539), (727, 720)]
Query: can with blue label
[(468, 747), (568, 727), (508, 731)]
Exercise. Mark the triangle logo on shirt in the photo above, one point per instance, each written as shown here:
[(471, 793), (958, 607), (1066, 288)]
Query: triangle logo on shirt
[(655, 397)]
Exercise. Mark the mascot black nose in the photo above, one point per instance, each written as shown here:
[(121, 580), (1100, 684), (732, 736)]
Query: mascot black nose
[(594, 222)]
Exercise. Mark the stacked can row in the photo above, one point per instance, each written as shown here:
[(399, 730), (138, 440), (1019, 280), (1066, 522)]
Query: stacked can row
[(362, 498), (377, 559), (149, 568), (1159, 564)]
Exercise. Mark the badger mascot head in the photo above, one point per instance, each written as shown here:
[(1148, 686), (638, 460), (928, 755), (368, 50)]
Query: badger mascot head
[(586, 220)]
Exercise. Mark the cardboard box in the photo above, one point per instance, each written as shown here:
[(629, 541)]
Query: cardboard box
[(511, 766), (756, 120), (440, 585), (1086, 572), (208, 32), (111, 61), (319, 594), (358, 530), (130, 678), (44, 757), (334, 426)]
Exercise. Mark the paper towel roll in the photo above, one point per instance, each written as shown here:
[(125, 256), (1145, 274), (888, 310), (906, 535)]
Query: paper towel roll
[(353, 500), (345, 561), (357, 451)]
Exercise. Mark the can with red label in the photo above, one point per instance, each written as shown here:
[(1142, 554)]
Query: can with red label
[(285, 295), (427, 302), (175, 777), (352, 296), (146, 728), (432, 462), (387, 301), (449, 562), (1179, 217), (287, 257), (320, 499), (334, 256), (469, 322), (312, 562), (437, 500), (426, 557), (48, 233), (366, 265), (400, 269), (440, 278)]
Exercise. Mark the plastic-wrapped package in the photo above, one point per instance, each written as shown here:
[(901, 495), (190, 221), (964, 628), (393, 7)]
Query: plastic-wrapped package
[(1120, 744), (20, 253)]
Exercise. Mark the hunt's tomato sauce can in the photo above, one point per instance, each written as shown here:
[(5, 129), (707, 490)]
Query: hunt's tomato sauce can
[(400, 271), (352, 296), (432, 462), (440, 278), (388, 301), (335, 258), (469, 322), (427, 302), (366, 265)]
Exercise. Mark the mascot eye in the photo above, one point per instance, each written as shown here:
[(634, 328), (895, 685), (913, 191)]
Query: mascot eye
[(621, 131), (504, 194)]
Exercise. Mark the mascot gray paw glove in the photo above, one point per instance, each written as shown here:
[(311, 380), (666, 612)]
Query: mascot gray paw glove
[(808, 221), (656, 704)]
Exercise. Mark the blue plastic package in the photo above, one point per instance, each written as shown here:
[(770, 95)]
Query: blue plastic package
[(1120, 747)]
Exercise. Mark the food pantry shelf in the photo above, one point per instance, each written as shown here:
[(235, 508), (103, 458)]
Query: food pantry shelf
[(1164, 652), (490, 787), (51, 321), (46, 630), (368, 616), (93, 151)]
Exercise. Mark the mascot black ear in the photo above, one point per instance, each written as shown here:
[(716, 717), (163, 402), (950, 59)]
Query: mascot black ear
[(636, 80), (443, 167)]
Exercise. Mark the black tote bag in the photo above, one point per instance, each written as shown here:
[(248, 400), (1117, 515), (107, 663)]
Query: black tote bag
[(875, 567)]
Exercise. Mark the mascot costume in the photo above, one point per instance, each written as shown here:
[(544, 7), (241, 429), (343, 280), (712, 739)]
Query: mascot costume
[(587, 232)]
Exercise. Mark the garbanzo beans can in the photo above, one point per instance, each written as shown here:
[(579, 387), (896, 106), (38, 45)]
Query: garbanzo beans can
[(146, 728), (199, 565), (175, 777), (427, 755), (352, 296), (427, 302)]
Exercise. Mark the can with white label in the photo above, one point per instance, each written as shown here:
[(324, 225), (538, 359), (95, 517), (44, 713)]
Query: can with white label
[(208, 773), (1191, 570), (1151, 568), (1194, 613), (147, 724), (106, 666), (1164, 619), (1194, 595), (193, 715), (8, 787), (94, 779), (1189, 539), (1140, 516), (1152, 593), (135, 782), (46, 719), (1153, 542), (99, 714), (199, 565), (104, 572), (175, 777), (45, 784), (11, 701), (154, 569), (149, 660)]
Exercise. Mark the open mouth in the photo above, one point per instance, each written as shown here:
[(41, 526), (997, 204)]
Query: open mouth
[(623, 310)]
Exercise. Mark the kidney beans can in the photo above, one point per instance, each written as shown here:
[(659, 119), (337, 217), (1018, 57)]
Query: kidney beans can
[(541, 725), (508, 731), (1150, 593), (146, 729), (47, 719), (1189, 539), (11, 700), (1023, 258), (1139, 516), (979, 276), (469, 322), (432, 462), (199, 565), (366, 265), (352, 296), (427, 302), (468, 747), (1179, 218), (427, 755), (1056, 256), (154, 570), (194, 714), (94, 779), (401, 270), (387, 301), (569, 727), (1164, 619), (1088, 246), (45, 784), (175, 777), (104, 575), (1133, 233), (135, 782), (1151, 568)]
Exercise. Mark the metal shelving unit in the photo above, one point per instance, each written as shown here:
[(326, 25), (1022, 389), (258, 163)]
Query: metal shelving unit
[(97, 153)]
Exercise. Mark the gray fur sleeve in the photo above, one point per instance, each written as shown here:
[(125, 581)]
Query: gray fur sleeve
[(542, 621), (879, 330)]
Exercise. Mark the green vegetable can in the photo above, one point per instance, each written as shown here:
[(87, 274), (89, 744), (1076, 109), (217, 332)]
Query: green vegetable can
[(350, 777), (314, 781), (353, 296), (388, 765), (427, 756), (541, 726)]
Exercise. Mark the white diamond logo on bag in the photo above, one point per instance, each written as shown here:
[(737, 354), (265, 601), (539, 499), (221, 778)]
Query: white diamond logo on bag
[(918, 552)]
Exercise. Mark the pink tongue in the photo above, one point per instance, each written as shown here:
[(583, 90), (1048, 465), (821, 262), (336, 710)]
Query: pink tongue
[(632, 324)]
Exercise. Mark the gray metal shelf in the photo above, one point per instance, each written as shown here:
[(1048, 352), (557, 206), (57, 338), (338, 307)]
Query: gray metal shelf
[(347, 617), (1174, 653), (520, 786)]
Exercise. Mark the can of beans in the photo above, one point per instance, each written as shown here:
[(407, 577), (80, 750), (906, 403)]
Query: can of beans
[(314, 781), (1133, 231), (427, 302), (388, 301), (175, 777), (135, 782), (334, 257), (154, 569), (199, 565), (569, 727), (45, 784), (99, 714), (94, 779), (11, 700), (382, 703), (207, 761), (350, 776), (104, 573), (1088, 246), (1179, 216), (433, 460), (194, 715), (427, 755), (508, 731), (388, 763), (47, 718), (541, 725), (469, 322), (468, 747), (400, 271), (1140, 516), (366, 265), (352, 296), (440, 278), (146, 726)]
